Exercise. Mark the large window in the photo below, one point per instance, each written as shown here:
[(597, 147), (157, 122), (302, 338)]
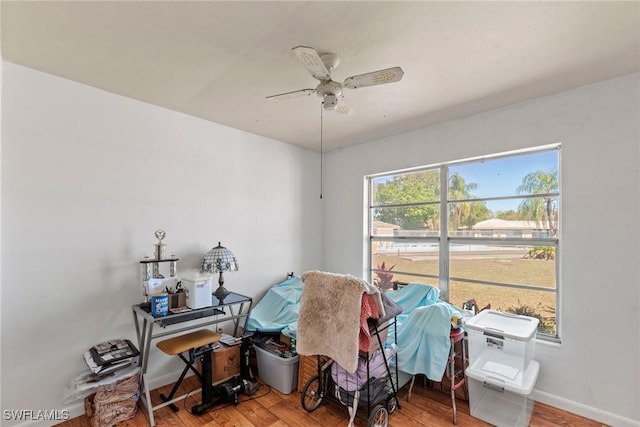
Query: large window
[(484, 229)]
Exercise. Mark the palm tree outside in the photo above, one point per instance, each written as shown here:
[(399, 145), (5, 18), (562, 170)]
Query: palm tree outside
[(542, 209), (459, 190)]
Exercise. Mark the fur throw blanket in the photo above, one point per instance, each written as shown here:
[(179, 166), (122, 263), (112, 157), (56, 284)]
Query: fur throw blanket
[(329, 316)]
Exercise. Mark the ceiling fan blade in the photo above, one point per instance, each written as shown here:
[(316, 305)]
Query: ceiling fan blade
[(292, 94), (311, 60), (388, 75)]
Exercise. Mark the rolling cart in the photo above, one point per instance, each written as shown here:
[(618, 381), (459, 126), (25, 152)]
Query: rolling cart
[(372, 386)]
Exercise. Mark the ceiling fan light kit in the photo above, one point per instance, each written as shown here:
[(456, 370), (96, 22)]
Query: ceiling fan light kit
[(330, 102), (330, 91)]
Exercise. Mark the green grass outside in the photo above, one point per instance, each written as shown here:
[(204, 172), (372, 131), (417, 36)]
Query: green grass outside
[(515, 270)]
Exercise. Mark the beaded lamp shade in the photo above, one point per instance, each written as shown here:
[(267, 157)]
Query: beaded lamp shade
[(219, 260)]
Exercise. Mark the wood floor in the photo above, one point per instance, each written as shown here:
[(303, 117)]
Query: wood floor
[(268, 407)]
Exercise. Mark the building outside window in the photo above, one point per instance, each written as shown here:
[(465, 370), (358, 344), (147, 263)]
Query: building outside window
[(484, 229)]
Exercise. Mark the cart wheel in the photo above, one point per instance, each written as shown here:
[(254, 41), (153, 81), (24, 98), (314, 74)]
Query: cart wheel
[(392, 404), (311, 395), (379, 417)]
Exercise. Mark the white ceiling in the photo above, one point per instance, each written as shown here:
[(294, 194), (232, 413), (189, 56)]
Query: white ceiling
[(219, 60)]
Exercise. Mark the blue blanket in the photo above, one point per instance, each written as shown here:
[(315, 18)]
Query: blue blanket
[(278, 309), (409, 298), (423, 341), (423, 330), (414, 295)]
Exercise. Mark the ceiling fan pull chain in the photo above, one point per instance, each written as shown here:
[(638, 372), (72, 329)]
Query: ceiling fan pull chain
[(321, 108)]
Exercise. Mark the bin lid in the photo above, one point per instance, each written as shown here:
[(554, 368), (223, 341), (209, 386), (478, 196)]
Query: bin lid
[(509, 325), (500, 370)]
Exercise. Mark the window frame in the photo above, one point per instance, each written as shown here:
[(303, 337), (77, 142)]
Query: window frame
[(444, 240)]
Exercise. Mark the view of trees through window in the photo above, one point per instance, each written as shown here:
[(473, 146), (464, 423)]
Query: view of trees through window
[(484, 230)]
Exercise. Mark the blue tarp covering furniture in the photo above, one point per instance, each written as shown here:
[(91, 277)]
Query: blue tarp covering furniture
[(423, 327), (277, 311), (423, 330)]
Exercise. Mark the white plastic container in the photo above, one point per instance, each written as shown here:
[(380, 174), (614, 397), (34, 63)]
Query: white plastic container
[(501, 332), (499, 389), (279, 372), (197, 287)]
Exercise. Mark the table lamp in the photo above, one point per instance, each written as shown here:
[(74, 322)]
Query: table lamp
[(219, 260)]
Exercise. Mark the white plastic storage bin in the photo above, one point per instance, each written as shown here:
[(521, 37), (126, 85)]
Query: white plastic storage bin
[(279, 372), (197, 287), (499, 389), (500, 332)]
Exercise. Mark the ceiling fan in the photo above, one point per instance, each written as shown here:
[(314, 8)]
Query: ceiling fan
[(330, 91)]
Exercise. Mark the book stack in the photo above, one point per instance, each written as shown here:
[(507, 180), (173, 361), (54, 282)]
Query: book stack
[(230, 340), (111, 356)]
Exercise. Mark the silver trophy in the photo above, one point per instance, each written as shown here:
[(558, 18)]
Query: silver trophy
[(160, 234), (151, 267)]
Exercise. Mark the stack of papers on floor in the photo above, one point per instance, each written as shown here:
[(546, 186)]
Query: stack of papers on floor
[(87, 383), (111, 356)]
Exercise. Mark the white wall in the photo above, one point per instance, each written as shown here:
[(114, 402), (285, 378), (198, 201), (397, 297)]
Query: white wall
[(597, 364), (87, 177)]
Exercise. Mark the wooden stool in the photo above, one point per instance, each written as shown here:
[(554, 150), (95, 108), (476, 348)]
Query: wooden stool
[(198, 343)]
